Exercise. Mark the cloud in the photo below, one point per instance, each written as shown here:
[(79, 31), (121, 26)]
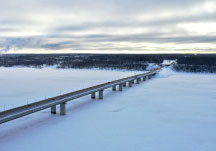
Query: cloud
[(114, 25), (7, 44)]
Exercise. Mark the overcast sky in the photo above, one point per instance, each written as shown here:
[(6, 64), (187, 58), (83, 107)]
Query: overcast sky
[(107, 26)]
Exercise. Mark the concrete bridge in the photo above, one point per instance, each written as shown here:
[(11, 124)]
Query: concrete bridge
[(61, 100)]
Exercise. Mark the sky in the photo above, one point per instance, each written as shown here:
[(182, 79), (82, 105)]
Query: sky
[(107, 26)]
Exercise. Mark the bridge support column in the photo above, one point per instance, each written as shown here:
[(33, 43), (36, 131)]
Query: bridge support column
[(101, 94), (147, 77), (130, 83), (137, 81), (53, 109), (93, 96), (114, 88), (144, 78), (153, 74), (124, 84), (63, 108), (120, 87)]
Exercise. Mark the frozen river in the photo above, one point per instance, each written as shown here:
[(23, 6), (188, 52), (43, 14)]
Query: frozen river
[(172, 112)]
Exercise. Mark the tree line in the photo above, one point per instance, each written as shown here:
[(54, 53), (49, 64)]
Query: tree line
[(185, 62)]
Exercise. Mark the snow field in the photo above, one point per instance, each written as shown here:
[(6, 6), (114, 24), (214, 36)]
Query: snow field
[(173, 111)]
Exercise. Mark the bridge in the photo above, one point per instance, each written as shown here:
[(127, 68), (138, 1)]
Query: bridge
[(61, 100)]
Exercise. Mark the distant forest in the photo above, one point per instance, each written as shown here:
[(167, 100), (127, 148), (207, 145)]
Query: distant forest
[(185, 62)]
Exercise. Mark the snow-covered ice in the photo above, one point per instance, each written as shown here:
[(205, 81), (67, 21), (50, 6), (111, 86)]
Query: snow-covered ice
[(172, 112)]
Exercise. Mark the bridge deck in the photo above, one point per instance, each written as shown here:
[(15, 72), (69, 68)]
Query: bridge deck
[(18, 112)]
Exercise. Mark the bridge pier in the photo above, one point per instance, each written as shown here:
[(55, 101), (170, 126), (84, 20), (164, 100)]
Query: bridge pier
[(101, 94), (93, 95), (114, 88), (53, 109), (120, 87), (153, 74), (147, 77), (124, 84), (144, 78), (130, 83), (137, 81), (63, 108)]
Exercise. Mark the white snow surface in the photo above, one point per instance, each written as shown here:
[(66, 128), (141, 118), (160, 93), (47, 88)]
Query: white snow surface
[(152, 66), (168, 62), (172, 112)]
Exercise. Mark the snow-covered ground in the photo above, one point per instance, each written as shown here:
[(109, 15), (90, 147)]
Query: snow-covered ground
[(172, 112)]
